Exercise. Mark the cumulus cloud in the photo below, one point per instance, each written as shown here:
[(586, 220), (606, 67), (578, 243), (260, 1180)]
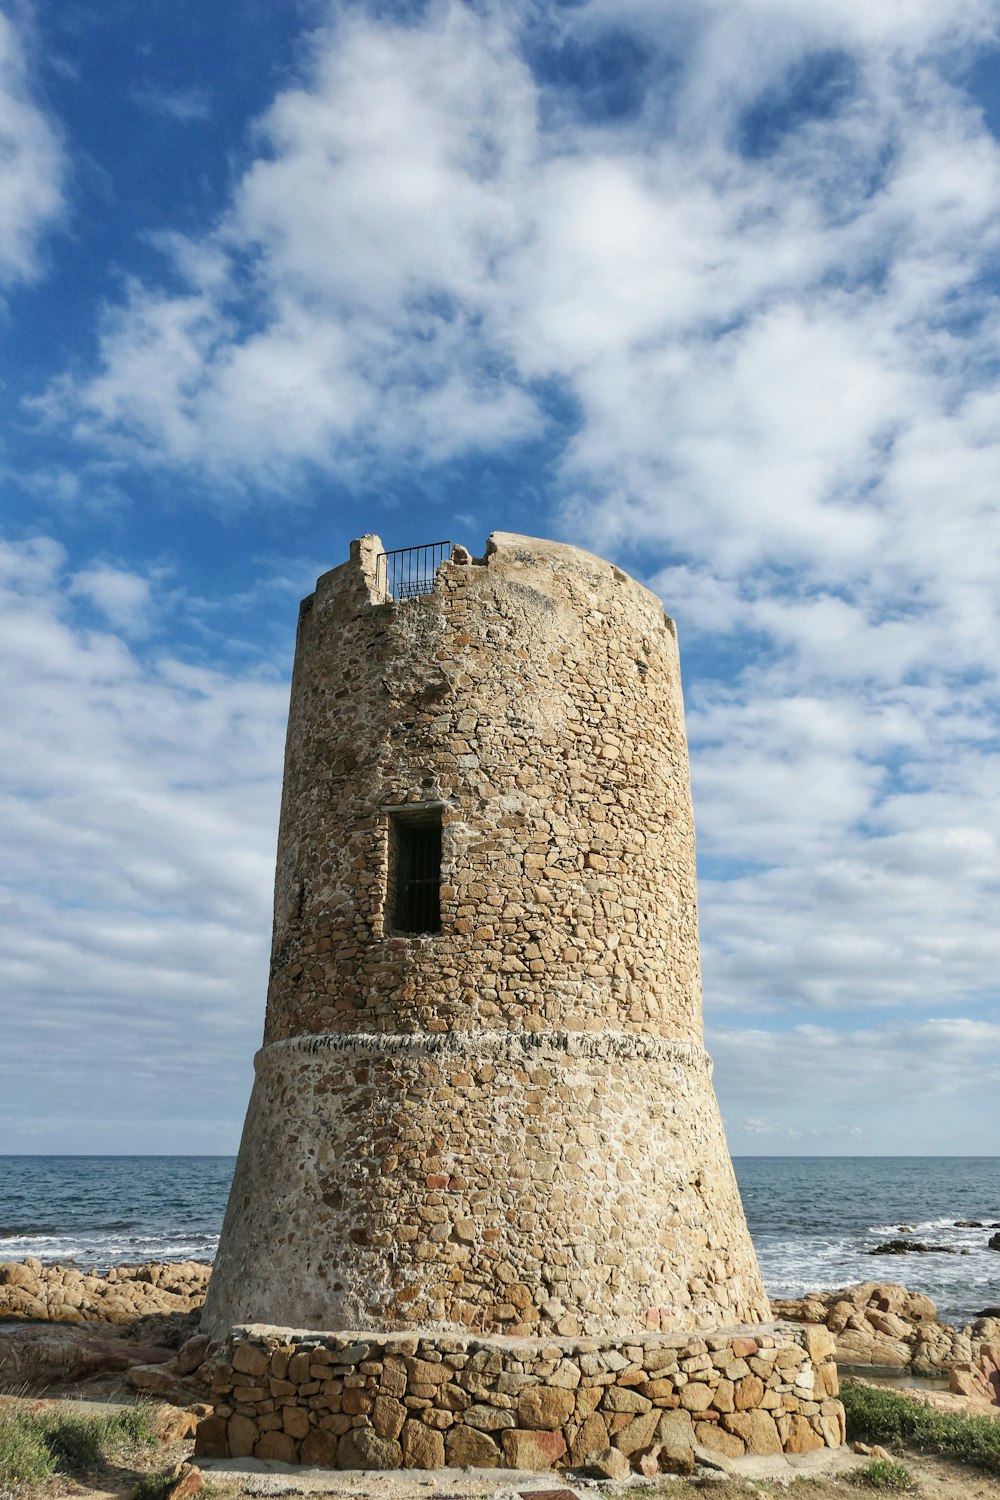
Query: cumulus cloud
[(31, 164), (138, 800)]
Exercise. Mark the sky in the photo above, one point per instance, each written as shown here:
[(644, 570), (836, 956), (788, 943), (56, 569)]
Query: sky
[(709, 287)]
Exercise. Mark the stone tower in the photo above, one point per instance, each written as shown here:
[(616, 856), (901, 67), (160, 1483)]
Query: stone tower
[(482, 1103)]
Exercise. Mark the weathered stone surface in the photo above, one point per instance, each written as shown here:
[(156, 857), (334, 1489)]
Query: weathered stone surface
[(423, 1448), (362, 1448), (250, 1360), (695, 1396), (591, 1438), (468, 1448), (611, 1464), (716, 1439), (488, 1418), (277, 1445), (801, 1437), (881, 1323), (532, 1449), (125, 1294), (748, 1392), (675, 1435), (819, 1342), (756, 1429), (544, 1406), (242, 1435), (210, 1439), (295, 1421), (320, 1449), (638, 1434), (388, 1416), (624, 1398)]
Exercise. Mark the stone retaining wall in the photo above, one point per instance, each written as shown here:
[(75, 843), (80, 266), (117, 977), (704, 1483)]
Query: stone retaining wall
[(390, 1401)]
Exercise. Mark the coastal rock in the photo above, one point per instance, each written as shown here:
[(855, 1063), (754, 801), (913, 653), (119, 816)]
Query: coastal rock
[(32, 1292), (915, 1247), (993, 1243), (885, 1325)]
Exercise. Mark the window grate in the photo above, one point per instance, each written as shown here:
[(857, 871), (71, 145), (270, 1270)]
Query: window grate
[(417, 906), (409, 571)]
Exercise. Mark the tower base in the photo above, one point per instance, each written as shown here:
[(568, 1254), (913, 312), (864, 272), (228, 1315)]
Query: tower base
[(416, 1400)]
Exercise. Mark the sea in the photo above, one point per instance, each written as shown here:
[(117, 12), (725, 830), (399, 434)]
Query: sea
[(813, 1220)]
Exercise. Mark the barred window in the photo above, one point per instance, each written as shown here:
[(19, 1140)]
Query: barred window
[(415, 872)]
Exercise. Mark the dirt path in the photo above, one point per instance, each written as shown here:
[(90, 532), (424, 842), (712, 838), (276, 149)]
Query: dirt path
[(934, 1479)]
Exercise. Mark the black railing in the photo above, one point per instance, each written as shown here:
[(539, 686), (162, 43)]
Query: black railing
[(409, 571)]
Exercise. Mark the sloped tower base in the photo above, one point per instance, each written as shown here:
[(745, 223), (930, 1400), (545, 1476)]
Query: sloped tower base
[(530, 1184)]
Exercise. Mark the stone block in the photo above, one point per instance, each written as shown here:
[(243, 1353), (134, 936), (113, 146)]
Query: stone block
[(592, 1437), (295, 1420), (388, 1416), (695, 1396), (638, 1434), (532, 1449), (277, 1445), (320, 1449), (611, 1464), (757, 1430), (802, 1438), (621, 1398), (362, 1448), (250, 1360), (423, 1448), (716, 1439), (210, 1438), (242, 1435), (748, 1393), (466, 1447), (545, 1406)]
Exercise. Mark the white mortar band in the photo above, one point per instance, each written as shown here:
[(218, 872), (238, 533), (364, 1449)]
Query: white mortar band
[(514, 1045)]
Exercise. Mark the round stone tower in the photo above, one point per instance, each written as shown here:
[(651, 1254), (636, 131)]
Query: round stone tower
[(483, 1103)]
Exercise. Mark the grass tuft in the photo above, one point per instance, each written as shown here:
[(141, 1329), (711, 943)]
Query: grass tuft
[(883, 1474), (35, 1444), (154, 1486), (878, 1416)]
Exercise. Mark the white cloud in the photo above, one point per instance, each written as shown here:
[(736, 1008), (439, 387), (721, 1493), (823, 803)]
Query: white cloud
[(138, 798), (896, 1088), (123, 597), (31, 164)]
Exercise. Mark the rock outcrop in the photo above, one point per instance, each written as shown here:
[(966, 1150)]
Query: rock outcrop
[(979, 1379), (37, 1293), (884, 1325), (60, 1324)]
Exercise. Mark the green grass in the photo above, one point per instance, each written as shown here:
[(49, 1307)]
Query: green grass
[(878, 1416), (883, 1474), (34, 1445), (154, 1486)]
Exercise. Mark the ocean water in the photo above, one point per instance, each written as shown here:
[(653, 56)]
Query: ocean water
[(812, 1219)]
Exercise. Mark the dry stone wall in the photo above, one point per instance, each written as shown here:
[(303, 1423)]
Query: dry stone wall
[(397, 1401), (507, 1125)]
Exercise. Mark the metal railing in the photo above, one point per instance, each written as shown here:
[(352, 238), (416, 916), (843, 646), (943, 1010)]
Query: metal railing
[(409, 571)]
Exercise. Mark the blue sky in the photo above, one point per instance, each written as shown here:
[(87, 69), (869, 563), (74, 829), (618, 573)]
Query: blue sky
[(708, 286)]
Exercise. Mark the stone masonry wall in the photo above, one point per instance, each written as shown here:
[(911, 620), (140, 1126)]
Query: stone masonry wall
[(400, 1401), (508, 1124)]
